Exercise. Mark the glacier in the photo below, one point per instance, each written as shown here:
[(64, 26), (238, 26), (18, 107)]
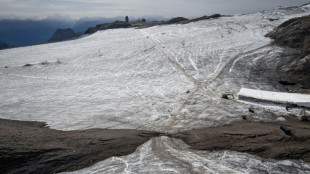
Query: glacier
[(166, 78)]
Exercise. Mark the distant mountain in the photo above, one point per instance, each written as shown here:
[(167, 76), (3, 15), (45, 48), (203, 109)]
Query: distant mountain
[(176, 20), (63, 34), (151, 18), (4, 46), (113, 25), (29, 32), (83, 24)]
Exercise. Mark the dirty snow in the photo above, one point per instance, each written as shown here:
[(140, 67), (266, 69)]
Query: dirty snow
[(166, 155)]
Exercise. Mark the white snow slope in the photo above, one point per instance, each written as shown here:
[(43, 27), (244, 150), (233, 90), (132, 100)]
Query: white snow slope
[(164, 78)]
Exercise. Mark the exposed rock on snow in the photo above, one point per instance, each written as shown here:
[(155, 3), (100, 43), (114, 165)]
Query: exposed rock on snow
[(294, 33), (301, 67), (113, 25), (214, 16), (176, 20)]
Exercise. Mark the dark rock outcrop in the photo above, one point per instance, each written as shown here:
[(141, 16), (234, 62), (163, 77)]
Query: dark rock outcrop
[(176, 20), (4, 46), (205, 18), (31, 147), (257, 138), (144, 24), (91, 30), (294, 33), (182, 20), (113, 25), (63, 34)]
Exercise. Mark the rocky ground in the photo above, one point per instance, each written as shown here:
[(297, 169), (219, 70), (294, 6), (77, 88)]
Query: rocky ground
[(30, 147), (295, 33), (258, 138)]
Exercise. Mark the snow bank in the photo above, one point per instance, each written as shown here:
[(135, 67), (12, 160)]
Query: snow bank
[(278, 97), (306, 5)]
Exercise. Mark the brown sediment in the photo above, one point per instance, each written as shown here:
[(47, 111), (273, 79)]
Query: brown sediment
[(30, 147), (264, 139)]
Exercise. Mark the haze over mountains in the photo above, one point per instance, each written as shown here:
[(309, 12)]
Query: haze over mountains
[(3, 46), (16, 31), (30, 32)]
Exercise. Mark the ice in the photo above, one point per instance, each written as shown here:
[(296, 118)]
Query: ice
[(166, 155), (165, 78), (277, 97), (139, 79), (127, 85), (144, 160)]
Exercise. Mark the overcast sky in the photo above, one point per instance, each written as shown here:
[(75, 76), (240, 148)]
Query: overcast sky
[(111, 8)]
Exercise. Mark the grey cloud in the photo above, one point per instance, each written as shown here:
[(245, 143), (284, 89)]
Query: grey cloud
[(109, 8)]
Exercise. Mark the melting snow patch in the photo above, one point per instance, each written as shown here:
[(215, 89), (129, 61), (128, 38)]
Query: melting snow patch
[(281, 119), (277, 97)]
